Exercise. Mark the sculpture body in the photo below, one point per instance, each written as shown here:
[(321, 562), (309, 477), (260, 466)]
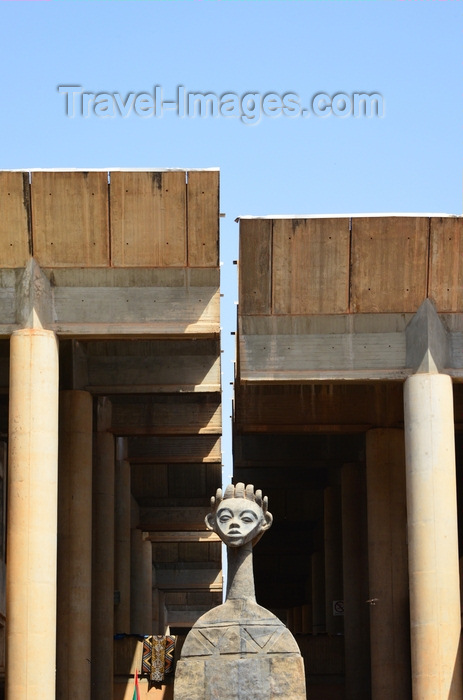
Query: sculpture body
[(239, 650)]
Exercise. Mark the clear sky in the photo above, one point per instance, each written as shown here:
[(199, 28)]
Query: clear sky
[(410, 52)]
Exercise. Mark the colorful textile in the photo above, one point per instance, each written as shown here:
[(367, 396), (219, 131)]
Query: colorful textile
[(136, 690), (169, 655), (158, 657)]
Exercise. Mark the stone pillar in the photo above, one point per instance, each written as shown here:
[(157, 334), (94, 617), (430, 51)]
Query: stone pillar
[(122, 539), (103, 557), (74, 546), (432, 537), (141, 579), (333, 558), (388, 565), (318, 593), (355, 576), (32, 516)]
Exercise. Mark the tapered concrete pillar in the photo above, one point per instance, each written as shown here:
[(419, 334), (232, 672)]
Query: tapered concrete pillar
[(355, 576), (122, 539), (318, 593), (333, 560), (32, 516), (74, 546), (103, 559), (432, 538), (141, 585), (388, 565)]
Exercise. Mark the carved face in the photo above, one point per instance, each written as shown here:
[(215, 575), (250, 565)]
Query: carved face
[(239, 520)]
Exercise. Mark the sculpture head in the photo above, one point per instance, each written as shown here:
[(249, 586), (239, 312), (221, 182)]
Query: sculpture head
[(239, 515)]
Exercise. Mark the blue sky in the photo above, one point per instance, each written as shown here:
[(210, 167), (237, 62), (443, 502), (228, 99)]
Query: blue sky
[(408, 51)]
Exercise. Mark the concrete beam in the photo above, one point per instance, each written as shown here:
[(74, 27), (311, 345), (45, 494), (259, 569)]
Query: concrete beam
[(343, 347), (427, 341)]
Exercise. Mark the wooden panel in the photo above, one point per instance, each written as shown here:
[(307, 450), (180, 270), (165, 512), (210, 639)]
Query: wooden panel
[(186, 481), (152, 480), (14, 219), (310, 266), (293, 408), (172, 519), (296, 451), (183, 537), (255, 272), (203, 219), (446, 264), (389, 263), (70, 219), (201, 448), (187, 414), (209, 579), (169, 374), (148, 219)]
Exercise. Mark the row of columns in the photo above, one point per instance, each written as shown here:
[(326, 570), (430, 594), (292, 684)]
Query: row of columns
[(390, 552), (67, 554), (426, 601)]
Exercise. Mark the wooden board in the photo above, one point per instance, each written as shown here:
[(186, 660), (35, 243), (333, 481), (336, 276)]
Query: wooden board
[(201, 448), (446, 264), (203, 218), (175, 372), (290, 409), (149, 480), (174, 519), (310, 265), (148, 219), (184, 414), (389, 263), (14, 219), (255, 270), (70, 224), (183, 537), (208, 579)]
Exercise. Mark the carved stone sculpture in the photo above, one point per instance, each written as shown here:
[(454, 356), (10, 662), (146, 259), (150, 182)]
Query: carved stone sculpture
[(239, 650)]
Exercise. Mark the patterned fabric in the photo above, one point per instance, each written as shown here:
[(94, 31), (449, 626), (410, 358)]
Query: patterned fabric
[(169, 656), (158, 657)]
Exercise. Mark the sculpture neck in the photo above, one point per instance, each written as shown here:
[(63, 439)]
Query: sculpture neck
[(240, 572)]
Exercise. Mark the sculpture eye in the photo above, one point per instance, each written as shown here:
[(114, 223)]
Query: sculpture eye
[(247, 519), (224, 518)]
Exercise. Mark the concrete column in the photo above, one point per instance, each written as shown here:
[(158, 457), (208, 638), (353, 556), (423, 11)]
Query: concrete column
[(307, 618), (318, 593), (142, 581), (432, 538), (333, 558), (355, 576), (74, 546), (388, 565), (141, 585), (32, 516), (122, 539), (103, 559)]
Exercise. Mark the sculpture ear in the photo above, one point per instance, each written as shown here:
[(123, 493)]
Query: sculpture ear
[(268, 520), (210, 521)]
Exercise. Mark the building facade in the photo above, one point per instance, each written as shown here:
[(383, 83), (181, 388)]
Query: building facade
[(111, 409), (349, 377), (347, 414)]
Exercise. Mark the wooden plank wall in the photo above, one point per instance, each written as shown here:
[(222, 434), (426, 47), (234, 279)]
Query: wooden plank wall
[(386, 264), (139, 219)]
